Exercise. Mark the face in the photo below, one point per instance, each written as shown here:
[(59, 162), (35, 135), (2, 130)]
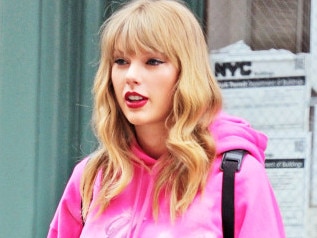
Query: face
[(143, 85)]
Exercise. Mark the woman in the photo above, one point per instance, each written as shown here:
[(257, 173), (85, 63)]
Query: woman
[(157, 116)]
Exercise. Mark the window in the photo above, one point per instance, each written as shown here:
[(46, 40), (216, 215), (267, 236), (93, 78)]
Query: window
[(261, 24)]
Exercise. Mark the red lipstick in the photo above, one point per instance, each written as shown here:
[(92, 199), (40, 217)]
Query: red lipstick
[(135, 100)]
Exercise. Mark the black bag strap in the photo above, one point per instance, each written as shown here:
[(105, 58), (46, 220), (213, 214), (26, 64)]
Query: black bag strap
[(231, 163)]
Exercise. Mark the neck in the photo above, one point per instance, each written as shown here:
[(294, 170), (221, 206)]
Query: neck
[(152, 140)]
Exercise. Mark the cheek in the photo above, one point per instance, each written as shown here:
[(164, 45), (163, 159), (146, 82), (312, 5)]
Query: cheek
[(117, 91), (116, 82), (170, 83)]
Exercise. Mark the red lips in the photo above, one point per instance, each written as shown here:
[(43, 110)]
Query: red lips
[(135, 100)]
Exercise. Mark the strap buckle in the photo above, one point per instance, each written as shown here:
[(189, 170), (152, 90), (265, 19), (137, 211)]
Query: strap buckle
[(233, 156)]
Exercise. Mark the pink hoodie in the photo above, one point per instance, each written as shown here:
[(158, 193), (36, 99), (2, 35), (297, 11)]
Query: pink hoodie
[(129, 215)]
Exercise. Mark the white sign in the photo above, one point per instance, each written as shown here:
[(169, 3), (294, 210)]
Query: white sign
[(270, 89), (287, 165)]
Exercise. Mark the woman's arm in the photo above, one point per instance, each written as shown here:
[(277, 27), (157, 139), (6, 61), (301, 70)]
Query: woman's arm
[(67, 221), (257, 213)]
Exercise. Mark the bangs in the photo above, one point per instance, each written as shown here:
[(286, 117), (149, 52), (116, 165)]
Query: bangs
[(135, 36), (140, 30)]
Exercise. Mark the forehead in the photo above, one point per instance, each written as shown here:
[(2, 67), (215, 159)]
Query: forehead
[(118, 50), (134, 43)]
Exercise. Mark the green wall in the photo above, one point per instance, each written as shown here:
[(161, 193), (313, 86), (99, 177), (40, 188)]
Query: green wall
[(48, 56), (18, 117)]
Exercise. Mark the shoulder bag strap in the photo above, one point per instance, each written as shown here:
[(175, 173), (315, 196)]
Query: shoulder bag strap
[(231, 163)]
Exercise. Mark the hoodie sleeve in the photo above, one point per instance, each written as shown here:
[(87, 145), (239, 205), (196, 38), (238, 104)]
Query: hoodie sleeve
[(257, 212), (67, 221)]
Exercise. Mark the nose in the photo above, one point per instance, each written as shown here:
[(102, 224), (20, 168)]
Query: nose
[(133, 75)]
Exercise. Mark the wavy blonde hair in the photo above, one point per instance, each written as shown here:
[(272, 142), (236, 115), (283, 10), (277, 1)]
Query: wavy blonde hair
[(168, 27)]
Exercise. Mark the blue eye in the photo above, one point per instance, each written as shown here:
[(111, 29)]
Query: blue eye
[(120, 62), (154, 62)]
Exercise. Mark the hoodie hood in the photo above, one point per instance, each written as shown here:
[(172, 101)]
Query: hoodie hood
[(229, 133), (232, 133)]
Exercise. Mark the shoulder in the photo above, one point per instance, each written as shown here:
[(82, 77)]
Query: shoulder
[(80, 166), (78, 171), (73, 183), (251, 177), (252, 185), (252, 171), (250, 167)]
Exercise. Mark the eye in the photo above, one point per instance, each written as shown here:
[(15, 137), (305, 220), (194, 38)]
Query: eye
[(120, 61), (154, 62)]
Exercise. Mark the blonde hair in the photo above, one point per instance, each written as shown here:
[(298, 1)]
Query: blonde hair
[(168, 27)]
